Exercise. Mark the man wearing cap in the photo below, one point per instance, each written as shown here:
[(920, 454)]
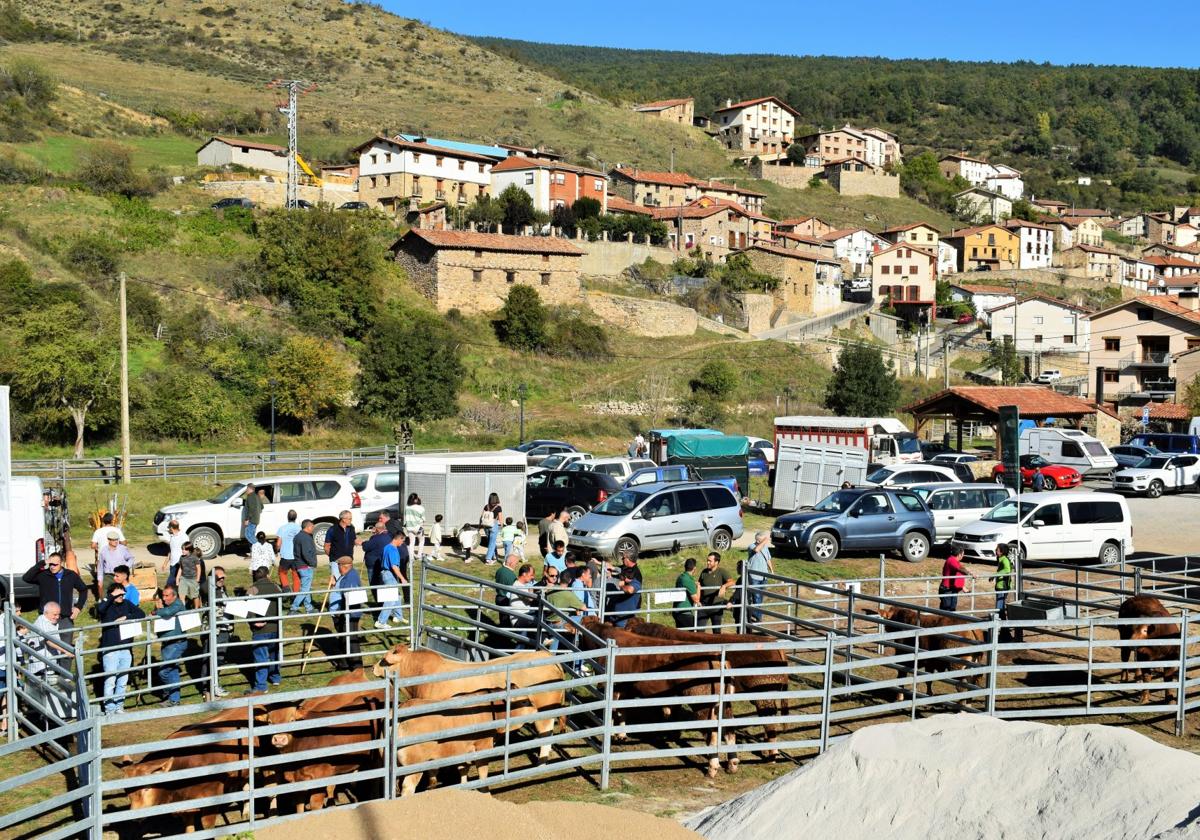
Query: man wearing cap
[(758, 562), (625, 596), (111, 555), (252, 508)]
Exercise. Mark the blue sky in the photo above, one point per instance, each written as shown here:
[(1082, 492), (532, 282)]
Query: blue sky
[(1070, 32)]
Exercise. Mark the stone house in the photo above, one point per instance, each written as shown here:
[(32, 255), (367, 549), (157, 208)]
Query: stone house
[(1101, 216), (982, 205), (550, 183), (756, 126), (1096, 263), (751, 200), (905, 276), (808, 283), (1191, 253), (1051, 206), (652, 189), (1135, 345), (397, 175), (854, 246), (473, 272), (972, 170), (1042, 324), (921, 234), (985, 248), (233, 151), (799, 242), (804, 225), (716, 229), (853, 176), (681, 111)]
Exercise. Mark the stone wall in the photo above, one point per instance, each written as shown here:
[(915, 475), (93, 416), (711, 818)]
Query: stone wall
[(273, 193), (651, 318), (1075, 278), (796, 177), (865, 183), (458, 279), (609, 259), (758, 308)]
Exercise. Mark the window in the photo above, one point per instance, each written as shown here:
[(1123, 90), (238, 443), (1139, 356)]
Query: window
[(560, 178), (691, 501), (416, 157), (478, 254), (1068, 339), (661, 505), (510, 276), (972, 499), (1193, 343), (996, 496), (439, 160), (885, 270), (462, 164), (598, 185), (545, 278), (942, 501), (1111, 375), (1037, 319), (545, 258), (387, 482), (389, 157), (1047, 515), (528, 179), (1070, 449), (910, 501), (477, 276), (1094, 513), (1145, 313), (874, 504), (373, 161), (293, 491), (1037, 339), (1112, 344), (358, 482)]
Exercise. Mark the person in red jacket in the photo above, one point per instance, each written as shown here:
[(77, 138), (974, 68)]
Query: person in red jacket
[(954, 580)]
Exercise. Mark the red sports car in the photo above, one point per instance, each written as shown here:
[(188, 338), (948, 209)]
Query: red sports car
[(1057, 478), (965, 318)]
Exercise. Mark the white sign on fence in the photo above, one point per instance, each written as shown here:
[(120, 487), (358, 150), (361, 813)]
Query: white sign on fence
[(237, 609), (671, 596), (354, 597), (163, 625), (258, 606), (129, 630), (388, 593), (189, 621)]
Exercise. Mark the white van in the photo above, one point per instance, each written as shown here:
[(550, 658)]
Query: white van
[(28, 538), (1069, 448), (1059, 525)]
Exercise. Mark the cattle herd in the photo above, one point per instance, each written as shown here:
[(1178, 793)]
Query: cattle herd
[(425, 733)]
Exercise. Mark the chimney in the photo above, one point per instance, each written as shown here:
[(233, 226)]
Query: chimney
[(728, 103), (1189, 299)]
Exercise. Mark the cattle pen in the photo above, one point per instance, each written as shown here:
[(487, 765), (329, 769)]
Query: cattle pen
[(823, 661)]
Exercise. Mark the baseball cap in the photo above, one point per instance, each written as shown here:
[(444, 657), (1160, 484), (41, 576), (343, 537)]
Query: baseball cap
[(113, 535)]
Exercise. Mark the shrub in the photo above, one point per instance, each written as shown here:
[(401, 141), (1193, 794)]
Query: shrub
[(92, 256), (522, 322), (716, 379), (15, 169), (30, 81), (184, 405), (108, 168), (577, 338)]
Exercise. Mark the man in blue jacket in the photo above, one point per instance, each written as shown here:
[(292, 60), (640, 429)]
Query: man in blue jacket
[(346, 618)]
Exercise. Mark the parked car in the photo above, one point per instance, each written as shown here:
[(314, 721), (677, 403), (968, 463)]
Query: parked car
[(859, 519), (618, 468), (765, 446), (661, 517), (953, 458), (1158, 474), (301, 204), (677, 472), (965, 318), (962, 468), (378, 487), (756, 462), (1129, 455), (575, 490), (930, 449), (1163, 442), (537, 451), (216, 523), (1059, 525), (225, 203), (1057, 477), (354, 205), (954, 505), (1048, 376), (559, 461), (902, 474)]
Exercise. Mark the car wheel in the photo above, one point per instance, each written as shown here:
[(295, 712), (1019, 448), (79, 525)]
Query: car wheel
[(823, 547), (1109, 553), (320, 529), (1048, 483), (1016, 552), (208, 540), (998, 478), (626, 545), (1155, 489), (722, 540), (916, 547), (575, 512)]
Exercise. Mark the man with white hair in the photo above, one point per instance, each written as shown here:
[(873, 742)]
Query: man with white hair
[(757, 564)]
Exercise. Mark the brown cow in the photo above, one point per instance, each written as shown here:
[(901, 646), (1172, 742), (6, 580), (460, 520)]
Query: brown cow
[(735, 659), (959, 638), (197, 758), (333, 734), (1147, 606), (673, 687), (419, 663)]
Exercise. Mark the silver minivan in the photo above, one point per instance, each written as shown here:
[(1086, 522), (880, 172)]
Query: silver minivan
[(955, 505), (661, 517)]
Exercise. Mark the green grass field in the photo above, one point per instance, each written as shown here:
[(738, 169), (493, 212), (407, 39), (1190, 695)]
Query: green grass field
[(61, 153)]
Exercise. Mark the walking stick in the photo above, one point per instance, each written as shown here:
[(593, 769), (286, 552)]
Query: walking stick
[(312, 641)]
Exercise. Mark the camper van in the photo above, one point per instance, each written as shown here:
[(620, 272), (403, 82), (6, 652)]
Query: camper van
[(30, 538), (1068, 448)]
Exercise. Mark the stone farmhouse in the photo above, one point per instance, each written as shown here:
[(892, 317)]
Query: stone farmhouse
[(763, 126), (681, 111)]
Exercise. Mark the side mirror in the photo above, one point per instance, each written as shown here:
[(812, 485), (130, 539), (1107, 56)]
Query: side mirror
[(857, 512), (237, 503), (1038, 523), (643, 514)]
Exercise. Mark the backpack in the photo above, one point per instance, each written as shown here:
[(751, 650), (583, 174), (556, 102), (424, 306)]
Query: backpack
[(487, 519)]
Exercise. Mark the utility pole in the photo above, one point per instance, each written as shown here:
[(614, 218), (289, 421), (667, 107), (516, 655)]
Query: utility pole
[(272, 384), (294, 88), (125, 477), (522, 390), (945, 362)]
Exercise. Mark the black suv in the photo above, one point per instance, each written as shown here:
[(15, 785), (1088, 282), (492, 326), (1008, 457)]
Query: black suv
[(575, 490), (226, 203)]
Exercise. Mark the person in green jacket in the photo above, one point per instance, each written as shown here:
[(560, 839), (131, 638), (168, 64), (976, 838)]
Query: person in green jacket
[(685, 612), (1004, 579)]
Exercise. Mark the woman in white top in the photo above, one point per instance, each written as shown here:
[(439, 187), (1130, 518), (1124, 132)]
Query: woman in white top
[(414, 524), (262, 553)]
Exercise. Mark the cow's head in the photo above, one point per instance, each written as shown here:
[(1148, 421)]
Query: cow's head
[(885, 611), (146, 797), (392, 657), (288, 714), (1140, 632)]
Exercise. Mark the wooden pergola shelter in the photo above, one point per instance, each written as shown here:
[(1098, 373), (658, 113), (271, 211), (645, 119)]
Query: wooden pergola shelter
[(981, 404)]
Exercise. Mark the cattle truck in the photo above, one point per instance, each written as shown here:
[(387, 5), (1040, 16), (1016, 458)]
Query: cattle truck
[(805, 473), (885, 439), (457, 484)]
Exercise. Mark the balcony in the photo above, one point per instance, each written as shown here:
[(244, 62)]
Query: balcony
[(1149, 389), (1146, 358)]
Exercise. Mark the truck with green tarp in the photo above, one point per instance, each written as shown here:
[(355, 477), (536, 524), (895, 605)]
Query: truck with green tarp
[(712, 456)]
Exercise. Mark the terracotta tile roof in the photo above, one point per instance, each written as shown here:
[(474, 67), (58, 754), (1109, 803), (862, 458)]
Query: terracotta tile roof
[(1049, 202), (746, 103), (1033, 401), (1088, 212), (237, 141), (662, 104), (1104, 409), (1018, 223), (517, 163), (840, 232), (1169, 411), (688, 211), (617, 204), (646, 176), (798, 221), (414, 146), (808, 240), (1092, 249), (971, 231), (793, 253), (721, 186), (903, 228), (471, 240), (982, 290), (961, 157), (1163, 303), (1184, 280), (1194, 248), (1169, 262)]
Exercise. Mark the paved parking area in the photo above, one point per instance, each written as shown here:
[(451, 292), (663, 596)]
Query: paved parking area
[(1166, 525)]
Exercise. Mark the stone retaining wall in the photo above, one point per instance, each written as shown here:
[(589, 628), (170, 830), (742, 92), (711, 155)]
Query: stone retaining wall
[(640, 316)]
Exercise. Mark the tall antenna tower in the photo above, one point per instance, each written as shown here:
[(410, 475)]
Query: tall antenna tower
[(291, 110)]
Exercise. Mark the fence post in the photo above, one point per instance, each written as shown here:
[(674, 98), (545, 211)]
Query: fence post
[(721, 706), (993, 662), (826, 695), (1137, 580), (882, 575), (95, 776), (744, 585), (849, 611), (392, 696), (10, 657), (610, 664), (250, 760), (213, 681), (416, 601), (1181, 692)]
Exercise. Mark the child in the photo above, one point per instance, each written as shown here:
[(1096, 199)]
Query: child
[(518, 543), (435, 540), (507, 534), (262, 553)]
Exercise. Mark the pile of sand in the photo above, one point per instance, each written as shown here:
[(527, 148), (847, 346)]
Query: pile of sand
[(978, 777), (452, 814)]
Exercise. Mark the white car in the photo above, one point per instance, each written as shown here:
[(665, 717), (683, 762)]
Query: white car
[(618, 468), (900, 475), (1159, 473), (213, 524), (765, 446), (559, 462)]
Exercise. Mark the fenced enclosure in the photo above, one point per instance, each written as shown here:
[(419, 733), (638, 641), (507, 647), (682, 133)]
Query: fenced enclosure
[(527, 689)]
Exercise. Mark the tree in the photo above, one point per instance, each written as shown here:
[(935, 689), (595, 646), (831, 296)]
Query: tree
[(1003, 357), (1191, 396), (409, 369), (563, 219), (517, 208), (586, 208), (311, 375), (486, 213), (716, 379), (522, 322), (67, 366), (863, 385), (30, 81)]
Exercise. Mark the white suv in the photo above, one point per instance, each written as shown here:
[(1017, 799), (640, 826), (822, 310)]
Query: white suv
[(216, 523), (618, 468), (1159, 473), (901, 475)]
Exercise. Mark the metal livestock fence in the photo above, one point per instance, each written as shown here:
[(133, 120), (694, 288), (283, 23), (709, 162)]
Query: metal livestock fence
[(840, 665)]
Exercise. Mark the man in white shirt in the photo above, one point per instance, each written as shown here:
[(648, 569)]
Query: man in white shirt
[(175, 542), (100, 535)]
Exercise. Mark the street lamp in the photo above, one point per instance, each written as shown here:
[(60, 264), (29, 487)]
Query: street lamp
[(522, 391), (271, 383)]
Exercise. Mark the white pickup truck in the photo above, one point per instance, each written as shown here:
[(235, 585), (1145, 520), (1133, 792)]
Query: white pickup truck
[(1159, 473)]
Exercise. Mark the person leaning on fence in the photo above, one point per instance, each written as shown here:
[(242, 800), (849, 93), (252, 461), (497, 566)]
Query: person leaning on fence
[(557, 556), (116, 653), (394, 574), (58, 585), (954, 580), (224, 628), (265, 634), (624, 597), (289, 578), (758, 563), (49, 643), (565, 600), (168, 606), (506, 575), (346, 619), (715, 583), (685, 611), (373, 548), (176, 540), (252, 508), (306, 564)]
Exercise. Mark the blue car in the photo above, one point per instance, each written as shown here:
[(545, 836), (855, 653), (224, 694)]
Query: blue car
[(756, 462), (1130, 455), (865, 519)]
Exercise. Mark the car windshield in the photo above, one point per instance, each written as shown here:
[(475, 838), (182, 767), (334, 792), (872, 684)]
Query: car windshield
[(553, 462), (227, 494), (836, 502), (1007, 511), (880, 476), (622, 504), (909, 445), (1154, 462), (1036, 461)]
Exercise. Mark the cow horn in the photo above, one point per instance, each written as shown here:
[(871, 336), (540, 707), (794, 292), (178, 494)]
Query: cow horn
[(123, 761)]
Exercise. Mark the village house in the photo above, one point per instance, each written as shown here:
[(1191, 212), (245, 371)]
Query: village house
[(854, 246), (1170, 266), (808, 283), (1049, 205), (947, 258), (427, 217), (751, 200), (1036, 243), (1095, 263), (715, 227), (981, 205), (1101, 216), (473, 272), (799, 242), (1136, 273), (756, 126), (1085, 230), (905, 277), (233, 151), (1190, 252), (852, 176), (1136, 343), (550, 183), (394, 173), (1007, 183), (1133, 227), (509, 149), (972, 170), (674, 189), (982, 298), (921, 234), (985, 248), (805, 225), (883, 148), (681, 111), (873, 146), (1036, 323), (1160, 228), (1180, 284)]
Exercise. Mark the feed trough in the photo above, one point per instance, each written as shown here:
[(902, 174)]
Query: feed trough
[(1036, 608)]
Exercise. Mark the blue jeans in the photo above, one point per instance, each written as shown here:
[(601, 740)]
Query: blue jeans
[(303, 597), (263, 654), (493, 536), (116, 664), (251, 533), (170, 673), (390, 608), (171, 574)]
